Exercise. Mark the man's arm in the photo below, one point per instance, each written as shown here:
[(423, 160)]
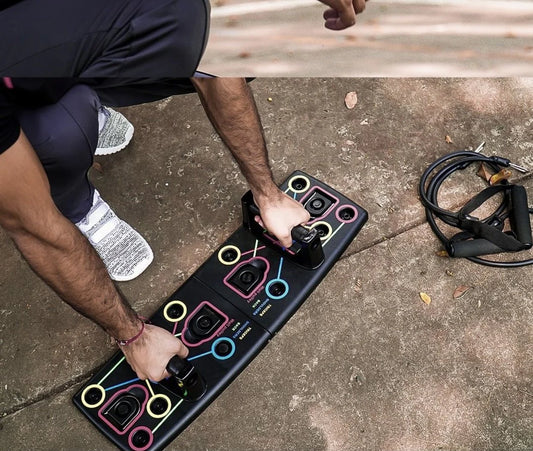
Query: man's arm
[(341, 13), (230, 106), (65, 260)]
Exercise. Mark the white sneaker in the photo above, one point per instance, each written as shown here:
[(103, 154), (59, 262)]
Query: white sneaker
[(125, 253), (116, 132)]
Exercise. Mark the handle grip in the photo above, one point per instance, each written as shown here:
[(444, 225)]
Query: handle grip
[(472, 248), (519, 217), (189, 384)]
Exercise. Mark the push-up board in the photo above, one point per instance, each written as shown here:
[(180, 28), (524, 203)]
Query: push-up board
[(225, 313)]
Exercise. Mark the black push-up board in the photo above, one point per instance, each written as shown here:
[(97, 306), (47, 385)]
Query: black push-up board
[(225, 313)]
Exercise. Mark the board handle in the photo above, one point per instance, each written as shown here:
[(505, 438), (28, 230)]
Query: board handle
[(189, 384)]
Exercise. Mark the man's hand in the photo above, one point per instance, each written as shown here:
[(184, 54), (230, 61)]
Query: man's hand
[(149, 355), (280, 214), (341, 13), (66, 261), (230, 106)]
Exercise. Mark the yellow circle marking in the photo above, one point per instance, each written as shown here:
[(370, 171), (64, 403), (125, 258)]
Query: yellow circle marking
[(149, 406), (224, 249), (299, 190), (175, 320), (89, 387), (330, 230)]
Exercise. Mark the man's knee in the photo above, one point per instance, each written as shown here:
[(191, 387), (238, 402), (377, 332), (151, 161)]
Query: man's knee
[(64, 134)]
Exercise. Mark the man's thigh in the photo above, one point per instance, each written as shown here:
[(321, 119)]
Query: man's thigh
[(102, 38)]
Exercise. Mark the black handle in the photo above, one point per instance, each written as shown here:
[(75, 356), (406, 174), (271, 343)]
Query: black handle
[(179, 368), (303, 235), (520, 221), (472, 248), (189, 384)]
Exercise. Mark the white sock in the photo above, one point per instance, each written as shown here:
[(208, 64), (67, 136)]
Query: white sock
[(102, 119)]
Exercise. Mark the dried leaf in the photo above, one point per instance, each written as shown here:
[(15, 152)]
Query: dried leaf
[(98, 167), (358, 285), (483, 172), (504, 174), (441, 253), (425, 297), (232, 22), (350, 100), (460, 291), (448, 139)]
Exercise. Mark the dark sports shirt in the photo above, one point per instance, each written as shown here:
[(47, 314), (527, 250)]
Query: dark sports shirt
[(17, 94)]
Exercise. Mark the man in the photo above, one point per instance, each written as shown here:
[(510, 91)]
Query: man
[(56, 249), (111, 47)]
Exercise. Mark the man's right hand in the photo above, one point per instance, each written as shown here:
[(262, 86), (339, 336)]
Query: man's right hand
[(341, 13), (280, 214), (150, 353)]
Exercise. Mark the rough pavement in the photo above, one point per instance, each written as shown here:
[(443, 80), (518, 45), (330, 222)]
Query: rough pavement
[(364, 364)]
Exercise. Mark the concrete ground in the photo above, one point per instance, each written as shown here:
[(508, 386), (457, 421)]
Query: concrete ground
[(420, 38), (364, 364)]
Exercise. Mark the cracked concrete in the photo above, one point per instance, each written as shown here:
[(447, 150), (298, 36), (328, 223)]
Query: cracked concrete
[(364, 364)]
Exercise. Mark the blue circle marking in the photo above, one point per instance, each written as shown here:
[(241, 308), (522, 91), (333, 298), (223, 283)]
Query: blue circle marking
[(273, 281), (219, 340)]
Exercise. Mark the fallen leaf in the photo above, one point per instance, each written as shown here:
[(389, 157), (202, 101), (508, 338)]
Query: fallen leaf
[(350, 100), (442, 253), (448, 139), (460, 291), (483, 172), (425, 297), (504, 174), (358, 285), (449, 273)]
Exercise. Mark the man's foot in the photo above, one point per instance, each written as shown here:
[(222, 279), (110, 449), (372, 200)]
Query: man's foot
[(125, 253), (115, 131)]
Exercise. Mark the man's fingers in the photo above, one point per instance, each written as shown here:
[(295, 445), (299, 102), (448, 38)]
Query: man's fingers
[(182, 350), (286, 241), (330, 14), (259, 221), (342, 14), (359, 6)]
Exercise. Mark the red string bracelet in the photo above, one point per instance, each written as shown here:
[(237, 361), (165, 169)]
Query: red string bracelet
[(131, 340)]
